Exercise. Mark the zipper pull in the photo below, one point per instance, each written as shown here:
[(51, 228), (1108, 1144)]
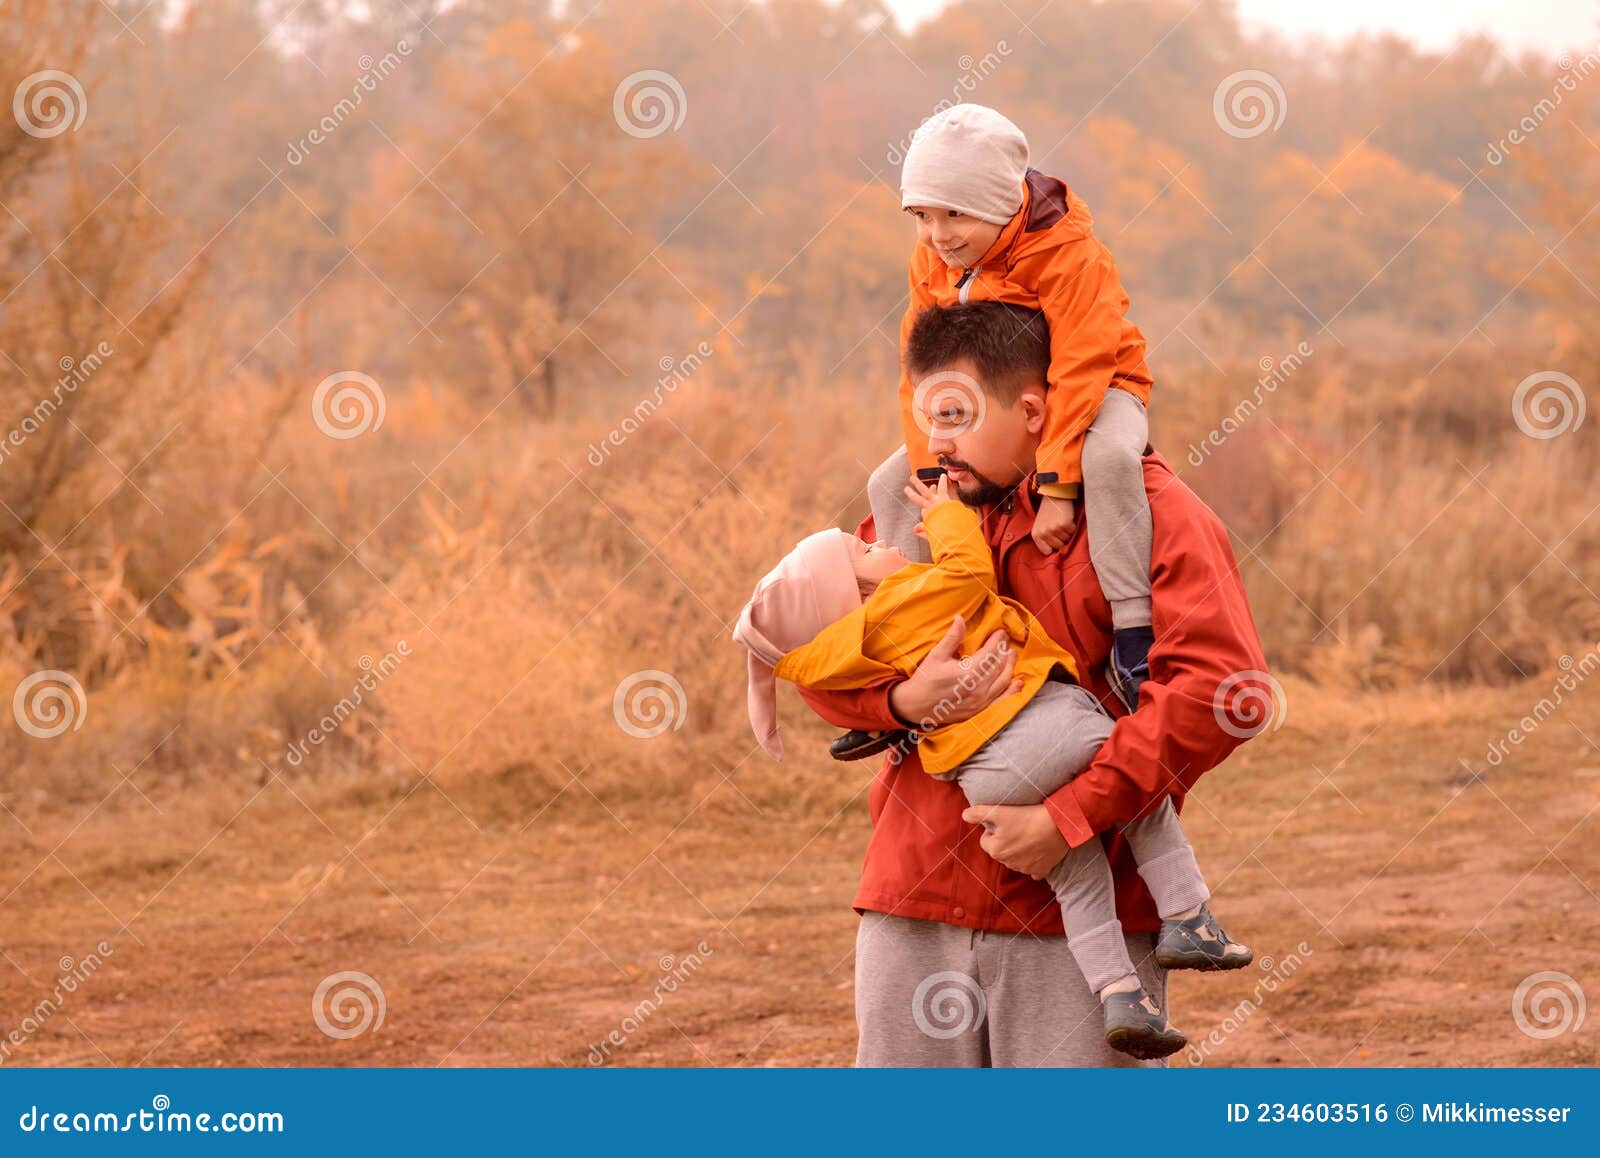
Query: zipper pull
[(966, 276)]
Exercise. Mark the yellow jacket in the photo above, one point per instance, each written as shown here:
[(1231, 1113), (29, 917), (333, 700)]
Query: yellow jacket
[(899, 624)]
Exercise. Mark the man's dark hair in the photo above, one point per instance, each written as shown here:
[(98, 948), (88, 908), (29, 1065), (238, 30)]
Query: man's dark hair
[(1008, 346)]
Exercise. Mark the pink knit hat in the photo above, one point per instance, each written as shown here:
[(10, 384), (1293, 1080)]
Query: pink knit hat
[(811, 587), (968, 158)]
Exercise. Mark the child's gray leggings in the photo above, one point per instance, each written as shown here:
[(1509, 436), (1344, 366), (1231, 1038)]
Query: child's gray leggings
[(1116, 507), (1049, 742)]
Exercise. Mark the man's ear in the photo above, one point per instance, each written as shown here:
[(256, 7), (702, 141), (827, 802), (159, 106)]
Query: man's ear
[(1032, 403)]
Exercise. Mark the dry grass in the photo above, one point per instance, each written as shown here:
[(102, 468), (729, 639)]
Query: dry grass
[(1384, 543), (483, 838)]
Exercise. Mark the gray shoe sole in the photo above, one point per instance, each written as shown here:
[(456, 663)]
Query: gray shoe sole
[(1202, 962), (1144, 1042)]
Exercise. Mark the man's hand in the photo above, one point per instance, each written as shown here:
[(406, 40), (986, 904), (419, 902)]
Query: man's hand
[(1022, 837), (1054, 523), (958, 688)]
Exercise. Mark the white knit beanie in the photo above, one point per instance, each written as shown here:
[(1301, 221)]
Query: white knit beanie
[(968, 158)]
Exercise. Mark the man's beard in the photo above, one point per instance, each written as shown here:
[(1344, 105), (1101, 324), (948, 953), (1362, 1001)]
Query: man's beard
[(980, 490)]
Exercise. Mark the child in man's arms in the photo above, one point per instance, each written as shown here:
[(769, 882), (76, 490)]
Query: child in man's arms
[(838, 613)]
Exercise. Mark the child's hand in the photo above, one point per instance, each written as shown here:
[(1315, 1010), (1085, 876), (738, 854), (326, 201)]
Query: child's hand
[(1054, 524), (926, 498)]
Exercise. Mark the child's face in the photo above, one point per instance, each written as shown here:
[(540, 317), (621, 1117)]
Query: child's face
[(875, 562), (958, 239)]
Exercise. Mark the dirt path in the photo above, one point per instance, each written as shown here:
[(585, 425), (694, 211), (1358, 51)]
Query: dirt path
[(513, 932)]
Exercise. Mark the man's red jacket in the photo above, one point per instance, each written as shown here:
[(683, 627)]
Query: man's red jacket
[(924, 861)]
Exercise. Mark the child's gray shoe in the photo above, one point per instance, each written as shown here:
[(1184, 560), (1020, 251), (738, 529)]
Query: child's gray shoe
[(1200, 943), (1137, 1027), (1128, 667), (858, 745)]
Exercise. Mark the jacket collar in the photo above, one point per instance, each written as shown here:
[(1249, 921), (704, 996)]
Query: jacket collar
[(999, 254), (1012, 515)]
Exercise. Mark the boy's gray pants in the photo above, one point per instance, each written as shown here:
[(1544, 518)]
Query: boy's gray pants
[(1115, 507), (1049, 742)]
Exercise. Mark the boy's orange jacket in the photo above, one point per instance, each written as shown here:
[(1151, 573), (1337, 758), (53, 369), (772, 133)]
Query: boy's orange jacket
[(899, 624), (1046, 258)]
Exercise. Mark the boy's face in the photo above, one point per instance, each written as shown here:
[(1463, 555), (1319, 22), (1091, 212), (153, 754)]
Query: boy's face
[(959, 240), (985, 446)]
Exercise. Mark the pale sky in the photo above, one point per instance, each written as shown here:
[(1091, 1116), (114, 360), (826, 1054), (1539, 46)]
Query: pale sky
[(1546, 25)]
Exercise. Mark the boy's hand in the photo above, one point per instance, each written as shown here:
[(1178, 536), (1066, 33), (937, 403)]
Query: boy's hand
[(1054, 523), (925, 498)]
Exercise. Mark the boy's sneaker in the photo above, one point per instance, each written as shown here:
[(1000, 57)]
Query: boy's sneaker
[(1137, 1027), (1200, 943), (858, 745), (1129, 666)]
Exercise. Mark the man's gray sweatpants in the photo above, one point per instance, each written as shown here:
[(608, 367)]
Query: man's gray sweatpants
[(929, 994)]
